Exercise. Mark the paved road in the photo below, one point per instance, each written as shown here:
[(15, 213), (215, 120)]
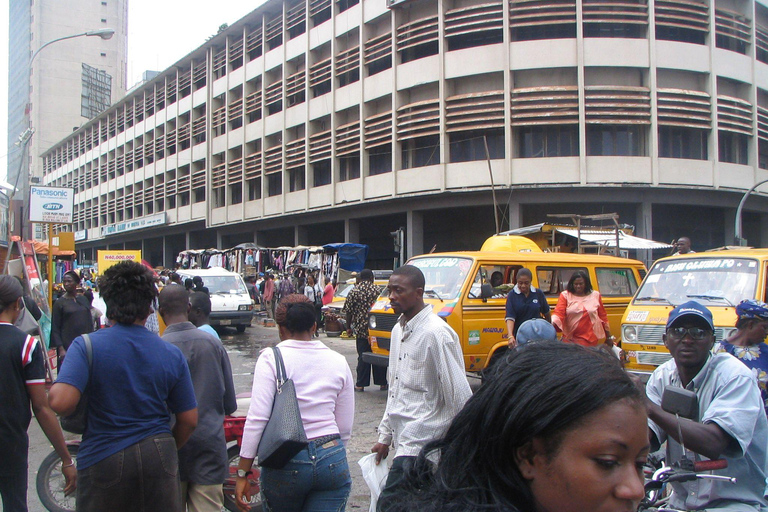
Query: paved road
[(243, 351)]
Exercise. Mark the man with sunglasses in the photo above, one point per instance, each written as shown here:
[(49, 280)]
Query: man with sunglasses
[(730, 425)]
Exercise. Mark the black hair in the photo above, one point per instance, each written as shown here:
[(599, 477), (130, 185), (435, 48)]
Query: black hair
[(128, 289), (524, 272), (414, 275), (366, 274), (542, 391), (201, 301), (296, 313), (585, 277), (88, 294), (174, 299), (10, 291), (197, 280), (189, 284)]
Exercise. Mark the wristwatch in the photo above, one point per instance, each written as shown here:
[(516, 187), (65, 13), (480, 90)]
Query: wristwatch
[(243, 474)]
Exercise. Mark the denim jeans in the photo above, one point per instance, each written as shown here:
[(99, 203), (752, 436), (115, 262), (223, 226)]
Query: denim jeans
[(141, 478), (316, 480)]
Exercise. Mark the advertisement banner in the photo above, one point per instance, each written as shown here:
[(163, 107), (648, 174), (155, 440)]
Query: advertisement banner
[(51, 204), (109, 258)]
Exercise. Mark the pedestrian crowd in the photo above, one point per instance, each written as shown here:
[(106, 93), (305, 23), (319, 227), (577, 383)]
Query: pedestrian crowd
[(557, 425)]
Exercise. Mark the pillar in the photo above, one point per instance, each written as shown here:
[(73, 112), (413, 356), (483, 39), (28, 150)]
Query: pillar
[(300, 235), (414, 234), (351, 231)]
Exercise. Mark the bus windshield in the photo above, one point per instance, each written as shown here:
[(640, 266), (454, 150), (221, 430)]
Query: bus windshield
[(709, 281), (224, 284), (444, 276)]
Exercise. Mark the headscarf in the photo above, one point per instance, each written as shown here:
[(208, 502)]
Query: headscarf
[(752, 309)]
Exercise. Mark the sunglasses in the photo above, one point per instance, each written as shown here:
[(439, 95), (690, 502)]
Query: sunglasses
[(696, 333)]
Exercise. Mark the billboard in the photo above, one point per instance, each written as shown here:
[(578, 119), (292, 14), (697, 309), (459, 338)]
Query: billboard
[(109, 258), (51, 204)]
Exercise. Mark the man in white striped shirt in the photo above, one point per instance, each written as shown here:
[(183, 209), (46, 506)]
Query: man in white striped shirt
[(427, 382)]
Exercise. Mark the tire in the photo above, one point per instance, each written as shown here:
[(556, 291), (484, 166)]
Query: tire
[(50, 483), (233, 455), (241, 327)]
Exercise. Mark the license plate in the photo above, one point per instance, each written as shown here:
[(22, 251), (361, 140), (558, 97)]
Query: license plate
[(225, 322)]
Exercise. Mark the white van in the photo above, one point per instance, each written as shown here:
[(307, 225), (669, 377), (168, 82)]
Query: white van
[(230, 302)]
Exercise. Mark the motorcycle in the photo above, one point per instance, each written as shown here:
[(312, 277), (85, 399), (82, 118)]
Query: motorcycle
[(50, 480)]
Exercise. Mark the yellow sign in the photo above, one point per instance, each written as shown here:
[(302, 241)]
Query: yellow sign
[(64, 241), (109, 258)]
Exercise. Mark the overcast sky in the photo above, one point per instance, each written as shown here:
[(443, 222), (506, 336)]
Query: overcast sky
[(160, 32)]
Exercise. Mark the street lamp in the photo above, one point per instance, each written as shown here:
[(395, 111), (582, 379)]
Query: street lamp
[(738, 240), (24, 138)]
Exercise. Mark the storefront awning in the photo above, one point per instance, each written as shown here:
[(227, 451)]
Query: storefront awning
[(608, 239)]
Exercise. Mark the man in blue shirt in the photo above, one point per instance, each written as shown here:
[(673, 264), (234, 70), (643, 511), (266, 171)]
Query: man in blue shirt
[(524, 302), (731, 423)]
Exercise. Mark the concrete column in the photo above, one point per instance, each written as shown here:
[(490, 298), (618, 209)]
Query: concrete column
[(187, 240), (218, 240), (515, 215), (351, 231), (763, 242), (414, 234), (644, 229), (300, 235), (730, 229)]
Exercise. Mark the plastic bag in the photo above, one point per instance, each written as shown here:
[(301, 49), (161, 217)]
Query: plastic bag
[(375, 476)]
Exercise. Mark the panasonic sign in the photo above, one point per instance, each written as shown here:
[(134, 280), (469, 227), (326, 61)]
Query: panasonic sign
[(51, 204)]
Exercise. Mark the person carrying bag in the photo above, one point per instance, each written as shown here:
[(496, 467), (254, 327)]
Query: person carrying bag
[(299, 473)]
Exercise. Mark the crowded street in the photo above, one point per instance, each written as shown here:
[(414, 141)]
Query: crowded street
[(243, 350)]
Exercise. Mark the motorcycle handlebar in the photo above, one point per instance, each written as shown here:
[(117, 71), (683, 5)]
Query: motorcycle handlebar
[(709, 465)]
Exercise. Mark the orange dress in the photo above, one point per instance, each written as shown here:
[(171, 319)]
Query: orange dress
[(582, 320)]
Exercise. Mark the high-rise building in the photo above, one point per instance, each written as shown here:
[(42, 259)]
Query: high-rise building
[(316, 121), (70, 81)]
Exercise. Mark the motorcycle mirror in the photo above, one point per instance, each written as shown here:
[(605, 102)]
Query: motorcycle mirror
[(486, 291), (681, 402)]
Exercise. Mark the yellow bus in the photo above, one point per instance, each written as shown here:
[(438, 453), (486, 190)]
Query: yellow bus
[(719, 280), (459, 288)]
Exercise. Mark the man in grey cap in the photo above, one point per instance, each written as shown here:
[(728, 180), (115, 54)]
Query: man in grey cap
[(731, 424)]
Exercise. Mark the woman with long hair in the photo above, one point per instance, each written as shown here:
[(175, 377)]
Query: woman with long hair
[(580, 314), (317, 478), (555, 428)]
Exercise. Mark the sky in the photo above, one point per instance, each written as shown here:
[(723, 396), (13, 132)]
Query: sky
[(160, 32)]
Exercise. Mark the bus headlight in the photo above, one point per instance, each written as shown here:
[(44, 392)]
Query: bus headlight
[(372, 322), (629, 333), (245, 307)]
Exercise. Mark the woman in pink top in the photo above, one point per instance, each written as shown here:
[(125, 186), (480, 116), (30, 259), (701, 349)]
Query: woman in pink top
[(580, 314), (328, 292), (317, 479)]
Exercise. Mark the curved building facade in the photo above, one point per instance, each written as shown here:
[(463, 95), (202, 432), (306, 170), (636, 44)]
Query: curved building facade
[(318, 121)]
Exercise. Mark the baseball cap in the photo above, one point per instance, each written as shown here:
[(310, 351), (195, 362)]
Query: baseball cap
[(536, 329), (693, 309)]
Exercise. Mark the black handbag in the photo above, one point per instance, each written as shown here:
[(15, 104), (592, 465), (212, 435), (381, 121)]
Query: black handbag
[(284, 435), (77, 421)]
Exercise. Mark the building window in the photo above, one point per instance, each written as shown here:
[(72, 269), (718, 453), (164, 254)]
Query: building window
[(346, 4), (236, 193), (219, 197), (349, 77), (421, 151), (624, 30), (254, 189), (675, 142), (683, 35), (349, 167), (538, 32), (321, 173), (296, 179), (184, 199), (547, 141), (731, 43), (762, 154), (470, 146), (199, 194), (274, 184), (380, 160), (615, 140), (733, 147), (418, 52), (472, 39)]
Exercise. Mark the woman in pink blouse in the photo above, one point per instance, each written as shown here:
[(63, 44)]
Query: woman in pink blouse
[(580, 314), (317, 478)]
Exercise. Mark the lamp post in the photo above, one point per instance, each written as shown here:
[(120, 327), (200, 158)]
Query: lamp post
[(24, 138), (738, 240)]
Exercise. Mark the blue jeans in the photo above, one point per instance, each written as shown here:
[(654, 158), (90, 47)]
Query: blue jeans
[(316, 480)]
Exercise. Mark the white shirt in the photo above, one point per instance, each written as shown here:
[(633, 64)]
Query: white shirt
[(427, 383)]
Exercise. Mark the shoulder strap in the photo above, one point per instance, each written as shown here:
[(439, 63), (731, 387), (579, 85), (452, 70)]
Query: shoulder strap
[(88, 354), (280, 367)]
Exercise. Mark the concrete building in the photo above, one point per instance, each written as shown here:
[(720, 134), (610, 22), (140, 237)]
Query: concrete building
[(70, 81), (315, 121)]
